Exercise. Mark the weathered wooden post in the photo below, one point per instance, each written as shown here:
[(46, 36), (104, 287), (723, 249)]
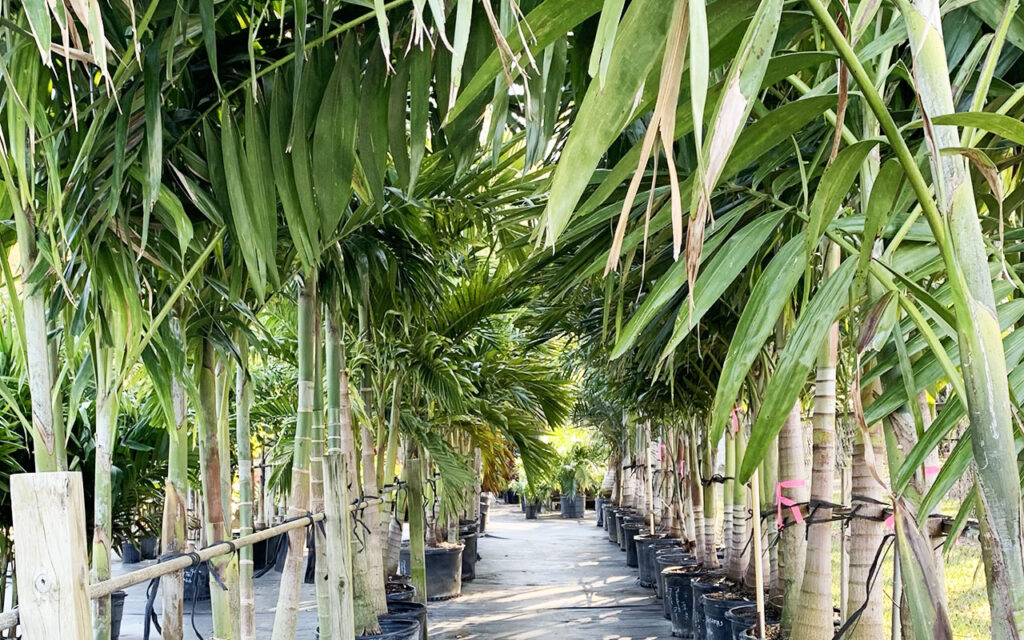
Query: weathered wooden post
[(417, 554), (339, 548), (51, 560)]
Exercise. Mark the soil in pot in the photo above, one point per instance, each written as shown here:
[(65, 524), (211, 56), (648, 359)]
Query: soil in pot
[(410, 611), (771, 632), (633, 530), (743, 617), (444, 570), (395, 629), (646, 545), (399, 591), (716, 606), (469, 556), (665, 558), (700, 587), (679, 598), (116, 613)]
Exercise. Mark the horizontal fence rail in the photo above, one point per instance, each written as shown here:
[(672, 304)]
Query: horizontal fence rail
[(180, 562)]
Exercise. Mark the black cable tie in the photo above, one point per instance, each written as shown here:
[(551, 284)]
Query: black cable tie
[(196, 560), (213, 572)]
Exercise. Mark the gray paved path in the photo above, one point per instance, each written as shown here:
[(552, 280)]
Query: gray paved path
[(537, 579)]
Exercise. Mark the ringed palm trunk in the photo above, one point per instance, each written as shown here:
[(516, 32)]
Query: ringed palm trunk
[(727, 496), (243, 400), (173, 535), (697, 501), (710, 553), (316, 484), (224, 375), (226, 567), (814, 618), (866, 534), (792, 541), (106, 425), (741, 530), (298, 500)]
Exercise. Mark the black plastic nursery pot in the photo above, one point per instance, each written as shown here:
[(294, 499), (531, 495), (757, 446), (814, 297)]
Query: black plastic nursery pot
[(399, 591), (410, 611), (609, 523), (628, 518), (679, 598), (485, 508), (469, 556), (599, 510), (116, 613), (717, 605), (444, 570), (130, 554), (646, 545), (395, 629), (531, 510), (700, 587), (665, 558), (633, 529), (744, 617)]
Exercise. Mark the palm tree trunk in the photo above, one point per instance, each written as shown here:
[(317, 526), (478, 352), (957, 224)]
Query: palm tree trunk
[(243, 399), (106, 426), (213, 504), (47, 442), (741, 530), (727, 496), (298, 500), (866, 534), (223, 373), (316, 482), (814, 618), (417, 534), (710, 552), (697, 500), (793, 487), (173, 535)]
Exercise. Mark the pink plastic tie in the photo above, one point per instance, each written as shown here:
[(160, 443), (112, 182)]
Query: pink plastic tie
[(890, 522), (735, 420), (783, 501), (682, 468), (661, 452), (931, 471)]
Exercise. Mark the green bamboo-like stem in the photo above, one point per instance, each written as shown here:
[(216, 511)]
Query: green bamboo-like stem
[(298, 500), (316, 483), (210, 462), (40, 377), (223, 372), (417, 534), (814, 618), (335, 358), (727, 495), (962, 247), (792, 541), (707, 462), (243, 402), (173, 534), (740, 527), (106, 426)]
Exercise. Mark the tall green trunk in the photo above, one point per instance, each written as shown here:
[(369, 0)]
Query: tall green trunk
[(223, 372), (226, 567), (814, 619), (707, 462), (243, 400), (316, 483), (173, 535), (106, 428), (741, 530), (298, 499), (727, 496)]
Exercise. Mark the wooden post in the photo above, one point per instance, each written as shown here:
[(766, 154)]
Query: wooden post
[(339, 547), (52, 564), (417, 554), (755, 494)]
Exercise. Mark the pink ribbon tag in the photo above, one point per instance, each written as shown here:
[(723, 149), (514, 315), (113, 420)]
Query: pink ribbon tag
[(735, 420), (931, 471), (783, 501), (890, 522), (682, 467)]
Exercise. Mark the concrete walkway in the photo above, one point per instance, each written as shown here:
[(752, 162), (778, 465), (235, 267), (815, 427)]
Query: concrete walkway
[(546, 578), (549, 578)]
